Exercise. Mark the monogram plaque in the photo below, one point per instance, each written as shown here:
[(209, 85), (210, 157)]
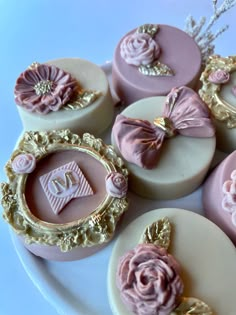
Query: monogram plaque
[(63, 184)]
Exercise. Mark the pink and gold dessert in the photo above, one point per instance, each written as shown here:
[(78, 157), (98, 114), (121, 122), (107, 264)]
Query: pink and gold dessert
[(168, 143), (219, 92), (162, 265), (152, 59), (64, 93), (65, 193), (219, 196)]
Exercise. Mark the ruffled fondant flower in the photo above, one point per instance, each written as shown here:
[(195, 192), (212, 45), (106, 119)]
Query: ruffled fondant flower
[(219, 77), (116, 185), (23, 163), (148, 280), (44, 88), (139, 49)]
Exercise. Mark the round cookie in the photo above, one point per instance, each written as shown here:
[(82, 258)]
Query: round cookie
[(219, 92), (182, 163), (199, 259), (92, 107), (176, 49), (67, 194), (219, 197)]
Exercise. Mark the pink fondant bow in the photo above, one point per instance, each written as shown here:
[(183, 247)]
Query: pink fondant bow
[(139, 141)]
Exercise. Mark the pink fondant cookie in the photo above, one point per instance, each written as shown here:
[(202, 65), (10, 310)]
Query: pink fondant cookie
[(152, 59), (219, 196), (163, 262), (168, 143), (65, 193), (64, 93)]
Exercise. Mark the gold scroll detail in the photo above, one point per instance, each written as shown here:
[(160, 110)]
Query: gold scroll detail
[(192, 306), (156, 69), (158, 233), (210, 92), (96, 228)]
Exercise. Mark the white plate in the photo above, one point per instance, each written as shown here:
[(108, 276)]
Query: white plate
[(80, 287)]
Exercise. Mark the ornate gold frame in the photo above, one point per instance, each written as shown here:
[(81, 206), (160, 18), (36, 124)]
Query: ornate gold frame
[(209, 92), (95, 229)]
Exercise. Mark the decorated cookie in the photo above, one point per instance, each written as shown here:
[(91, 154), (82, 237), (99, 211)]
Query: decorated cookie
[(150, 61), (64, 93), (162, 265), (219, 196), (168, 143), (219, 92), (65, 193)]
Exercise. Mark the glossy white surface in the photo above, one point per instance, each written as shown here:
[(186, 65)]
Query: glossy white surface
[(42, 30)]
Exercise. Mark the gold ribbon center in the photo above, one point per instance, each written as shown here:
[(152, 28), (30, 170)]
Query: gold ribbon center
[(166, 125)]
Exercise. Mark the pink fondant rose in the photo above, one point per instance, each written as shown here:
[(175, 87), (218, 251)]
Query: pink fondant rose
[(23, 163), (148, 280), (44, 88), (116, 185), (219, 77), (139, 49)]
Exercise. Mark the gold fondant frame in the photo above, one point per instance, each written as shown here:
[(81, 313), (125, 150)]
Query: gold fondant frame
[(96, 228), (209, 92)]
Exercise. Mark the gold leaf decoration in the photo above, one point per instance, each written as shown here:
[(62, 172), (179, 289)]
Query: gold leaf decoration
[(150, 29), (95, 229), (158, 233), (210, 92), (192, 306), (156, 69), (83, 99)]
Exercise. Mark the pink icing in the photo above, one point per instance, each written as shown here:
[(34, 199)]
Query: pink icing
[(139, 49), (234, 90), (66, 188), (214, 193), (148, 280), (60, 87), (130, 85), (139, 141), (77, 208), (116, 185), (219, 77), (23, 163)]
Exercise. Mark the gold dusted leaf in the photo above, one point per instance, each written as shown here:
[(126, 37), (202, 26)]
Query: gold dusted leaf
[(157, 69), (158, 233), (150, 29), (83, 99), (192, 306)]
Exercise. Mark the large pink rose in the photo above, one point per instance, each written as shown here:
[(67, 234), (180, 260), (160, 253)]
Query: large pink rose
[(116, 185), (23, 163), (43, 89), (148, 280), (139, 49), (219, 77)]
